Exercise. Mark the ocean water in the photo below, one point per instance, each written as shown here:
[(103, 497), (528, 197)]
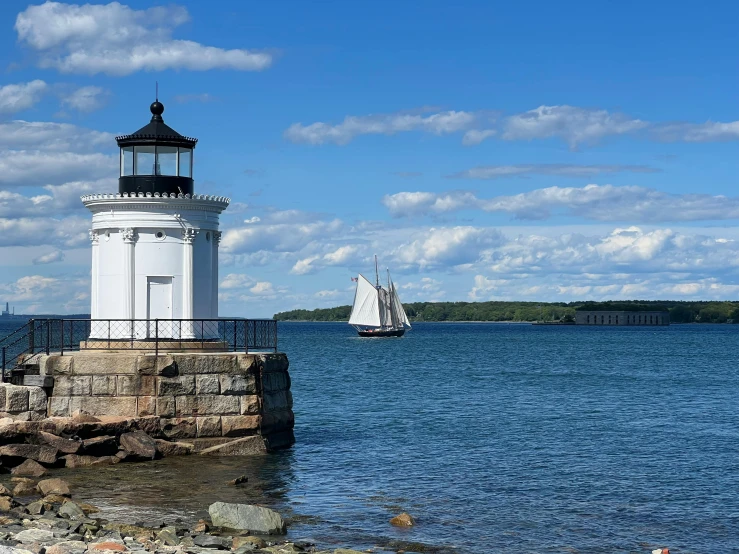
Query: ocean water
[(495, 437)]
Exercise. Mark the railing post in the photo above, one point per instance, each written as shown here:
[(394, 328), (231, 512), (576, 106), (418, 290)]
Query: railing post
[(202, 334), (61, 323), (48, 335), (3, 364), (108, 334), (132, 333), (156, 340), (274, 329), (254, 326), (235, 322), (31, 336)]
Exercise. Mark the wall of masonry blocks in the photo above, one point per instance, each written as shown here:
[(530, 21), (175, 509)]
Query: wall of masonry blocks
[(22, 403), (196, 395)]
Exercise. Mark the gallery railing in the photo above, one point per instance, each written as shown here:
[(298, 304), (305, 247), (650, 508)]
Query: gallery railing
[(44, 336)]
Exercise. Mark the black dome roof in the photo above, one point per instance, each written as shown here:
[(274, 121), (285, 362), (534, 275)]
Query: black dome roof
[(156, 132)]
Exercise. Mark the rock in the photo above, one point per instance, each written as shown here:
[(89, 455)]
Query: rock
[(246, 446), (210, 541), (67, 547), (167, 448), (6, 503), (403, 520), (66, 446), (139, 444), (238, 481), (100, 446), (4, 491), (131, 530), (6, 549), (54, 499), (38, 507), (75, 460), (88, 508), (168, 536), (201, 527), (34, 535), (25, 488), (54, 486), (29, 468), (71, 510), (40, 453), (107, 546), (247, 517), (254, 542)]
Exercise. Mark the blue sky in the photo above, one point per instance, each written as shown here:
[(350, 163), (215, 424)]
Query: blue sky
[(526, 151)]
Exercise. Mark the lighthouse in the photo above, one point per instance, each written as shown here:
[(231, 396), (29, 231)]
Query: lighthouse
[(155, 242)]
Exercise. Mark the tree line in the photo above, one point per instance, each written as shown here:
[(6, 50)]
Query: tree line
[(680, 311)]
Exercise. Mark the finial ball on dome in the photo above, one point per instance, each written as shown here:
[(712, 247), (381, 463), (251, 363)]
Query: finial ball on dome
[(157, 108)]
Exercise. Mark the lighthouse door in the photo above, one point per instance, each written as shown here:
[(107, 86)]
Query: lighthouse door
[(159, 299)]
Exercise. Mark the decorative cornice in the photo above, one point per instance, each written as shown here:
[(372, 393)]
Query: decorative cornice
[(128, 196), (94, 237), (217, 237), (188, 235), (128, 235)]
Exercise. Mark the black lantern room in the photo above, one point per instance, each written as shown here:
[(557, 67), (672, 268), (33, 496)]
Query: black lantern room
[(156, 158)]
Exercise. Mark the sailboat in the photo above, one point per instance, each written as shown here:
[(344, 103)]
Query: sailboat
[(377, 311)]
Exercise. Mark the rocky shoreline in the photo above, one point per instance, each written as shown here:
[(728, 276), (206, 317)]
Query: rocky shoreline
[(41, 517)]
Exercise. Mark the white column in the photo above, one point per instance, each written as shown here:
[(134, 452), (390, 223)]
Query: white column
[(214, 275), (129, 278), (95, 239), (188, 237)]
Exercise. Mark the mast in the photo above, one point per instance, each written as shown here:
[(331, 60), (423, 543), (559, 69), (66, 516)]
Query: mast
[(377, 273), (393, 317)]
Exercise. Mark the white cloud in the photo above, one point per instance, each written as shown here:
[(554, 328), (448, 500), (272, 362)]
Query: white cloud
[(118, 40), (445, 247), (187, 98), (711, 131), (572, 124), (476, 136), (594, 202), (67, 232), (440, 123), (50, 258), (16, 98), (562, 170), (86, 99), (339, 257), (276, 237), (236, 281), (42, 294), (25, 168), (47, 136)]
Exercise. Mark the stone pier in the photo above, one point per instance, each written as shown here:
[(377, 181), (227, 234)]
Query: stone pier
[(208, 398)]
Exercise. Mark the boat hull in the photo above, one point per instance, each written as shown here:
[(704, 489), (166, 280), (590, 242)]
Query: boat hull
[(392, 333)]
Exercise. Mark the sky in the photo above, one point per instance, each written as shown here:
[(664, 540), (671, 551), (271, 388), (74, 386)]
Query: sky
[(530, 151)]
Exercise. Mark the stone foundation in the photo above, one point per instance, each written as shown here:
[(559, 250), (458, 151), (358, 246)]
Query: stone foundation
[(203, 395)]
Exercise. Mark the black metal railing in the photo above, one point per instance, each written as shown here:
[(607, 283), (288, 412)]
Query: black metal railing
[(44, 336)]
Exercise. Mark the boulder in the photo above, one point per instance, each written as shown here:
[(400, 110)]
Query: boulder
[(84, 418), (54, 486), (254, 542), (141, 445), (71, 510), (25, 488), (38, 508), (4, 491), (246, 517), (66, 446), (54, 499), (6, 503), (34, 535), (88, 508), (4, 549), (100, 446), (75, 460), (43, 454), (238, 481), (29, 468), (107, 546), (210, 541), (67, 547), (167, 448), (168, 536), (403, 520), (201, 527)]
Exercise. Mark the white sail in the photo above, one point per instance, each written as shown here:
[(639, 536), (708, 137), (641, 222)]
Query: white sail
[(400, 316), (366, 309), (386, 314)]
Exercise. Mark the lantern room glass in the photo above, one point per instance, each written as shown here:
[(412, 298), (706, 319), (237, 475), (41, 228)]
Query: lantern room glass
[(145, 160), (126, 160), (185, 162), (167, 160)]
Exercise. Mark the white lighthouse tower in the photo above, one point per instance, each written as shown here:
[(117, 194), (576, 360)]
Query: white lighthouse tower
[(155, 243)]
